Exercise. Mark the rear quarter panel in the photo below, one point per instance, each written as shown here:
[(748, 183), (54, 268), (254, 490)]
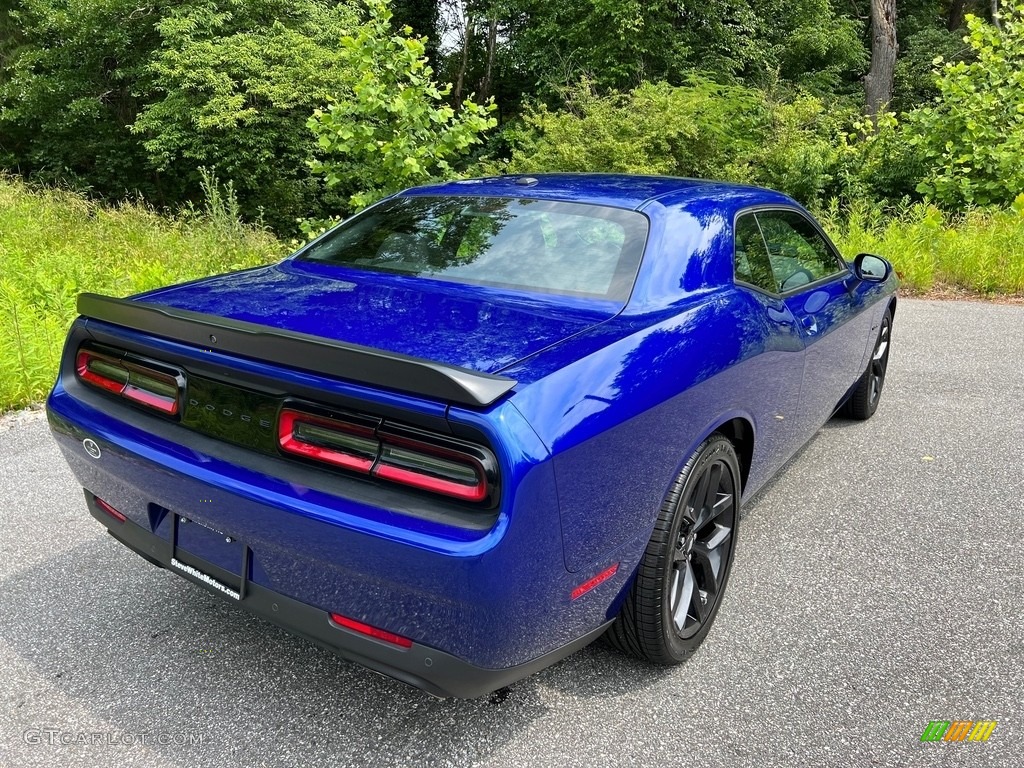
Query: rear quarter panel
[(621, 420)]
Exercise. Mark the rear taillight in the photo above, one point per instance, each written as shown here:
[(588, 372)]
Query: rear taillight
[(141, 382), (431, 468), (341, 443), (403, 455)]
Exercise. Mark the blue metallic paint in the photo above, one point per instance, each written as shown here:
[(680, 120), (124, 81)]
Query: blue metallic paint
[(611, 400)]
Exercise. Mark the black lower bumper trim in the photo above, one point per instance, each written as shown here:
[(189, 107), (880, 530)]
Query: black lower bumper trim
[(436, 672)]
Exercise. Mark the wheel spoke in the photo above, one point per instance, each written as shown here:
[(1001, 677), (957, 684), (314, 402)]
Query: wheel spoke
[(698, 497), (883, 343), (722, 506), (683, 589), (719, 535), (714, 475), (709, 563)]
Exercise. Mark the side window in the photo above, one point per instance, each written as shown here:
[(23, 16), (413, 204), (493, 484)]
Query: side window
[(797, 252), (751, 264)]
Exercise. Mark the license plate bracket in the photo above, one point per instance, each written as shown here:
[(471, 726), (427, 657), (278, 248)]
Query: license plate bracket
[(209, 555)]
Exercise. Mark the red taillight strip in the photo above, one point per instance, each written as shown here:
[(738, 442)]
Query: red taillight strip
[(476, 492), (375, 632), (82, 366), (151, 399), (289, 442), (430, 482), (130, 388)]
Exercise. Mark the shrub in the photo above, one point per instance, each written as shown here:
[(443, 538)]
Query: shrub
[(233, 84), (972, 137), (391, 128)]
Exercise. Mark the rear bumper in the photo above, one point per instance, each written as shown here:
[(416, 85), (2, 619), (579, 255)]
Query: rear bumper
[(423, 667), (483, 607)]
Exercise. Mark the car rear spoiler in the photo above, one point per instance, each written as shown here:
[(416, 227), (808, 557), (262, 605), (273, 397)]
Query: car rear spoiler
[(301, 350)]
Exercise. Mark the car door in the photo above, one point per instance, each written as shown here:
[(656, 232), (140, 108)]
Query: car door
[(780, 367), (812, 281)]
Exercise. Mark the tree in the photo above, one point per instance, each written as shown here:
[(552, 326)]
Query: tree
[(972, 137), (878, 85), (390, 127), (70, 90), (233, 84)]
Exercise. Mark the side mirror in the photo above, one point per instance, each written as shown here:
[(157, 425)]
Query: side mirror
[(871, 268)]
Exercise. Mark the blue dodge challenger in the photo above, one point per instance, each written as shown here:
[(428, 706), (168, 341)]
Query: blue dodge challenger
[(482, 423)]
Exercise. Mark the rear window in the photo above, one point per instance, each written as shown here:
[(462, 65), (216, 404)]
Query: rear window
[(535, 245)]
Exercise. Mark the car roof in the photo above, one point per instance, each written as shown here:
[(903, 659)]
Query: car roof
[(618, 190)]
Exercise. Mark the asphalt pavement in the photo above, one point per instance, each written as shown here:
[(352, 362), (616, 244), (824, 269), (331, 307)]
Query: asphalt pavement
[(878, 586)]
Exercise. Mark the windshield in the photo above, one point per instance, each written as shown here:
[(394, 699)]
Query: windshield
[(536, 245)]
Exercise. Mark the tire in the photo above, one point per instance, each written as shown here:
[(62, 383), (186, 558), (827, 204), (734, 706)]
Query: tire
[(685, 568), (864, 401)]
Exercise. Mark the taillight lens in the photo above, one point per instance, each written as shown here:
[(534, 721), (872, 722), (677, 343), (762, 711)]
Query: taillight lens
[(401, 455), (341, 443), (432, 468), (109, 509), (158, 390)]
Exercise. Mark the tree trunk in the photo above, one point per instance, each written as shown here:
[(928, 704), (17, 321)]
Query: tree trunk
[(955, 19), (492, 44), (878, 83), (467, 35)]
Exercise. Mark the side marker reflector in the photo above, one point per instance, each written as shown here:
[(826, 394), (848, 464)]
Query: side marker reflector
[(588, 585)]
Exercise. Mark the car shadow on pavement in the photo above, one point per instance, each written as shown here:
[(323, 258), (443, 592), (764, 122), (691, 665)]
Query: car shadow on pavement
[(111, 640)]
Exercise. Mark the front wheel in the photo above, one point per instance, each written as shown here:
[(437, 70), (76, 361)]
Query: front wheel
[(864, 401), (684, 570)]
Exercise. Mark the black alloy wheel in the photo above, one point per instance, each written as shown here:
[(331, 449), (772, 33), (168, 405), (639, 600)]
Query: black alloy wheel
[(864, 401), (685, 568)]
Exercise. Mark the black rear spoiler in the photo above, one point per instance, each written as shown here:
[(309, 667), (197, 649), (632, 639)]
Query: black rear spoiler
[(301, 350)]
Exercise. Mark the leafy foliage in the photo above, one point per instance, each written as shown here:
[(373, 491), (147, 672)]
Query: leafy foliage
[(701, 129), (234, 83), (694, 130), (977, 250), (972, 136), (72, 88), (618, 45), (391, 127)]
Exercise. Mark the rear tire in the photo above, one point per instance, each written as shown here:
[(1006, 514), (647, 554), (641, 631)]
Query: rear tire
[(864, 401), (683, 573)]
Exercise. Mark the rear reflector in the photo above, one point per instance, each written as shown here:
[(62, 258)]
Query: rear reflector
[(366, 629), (403, 455), (109, 509), (588, 585), (132, 380)]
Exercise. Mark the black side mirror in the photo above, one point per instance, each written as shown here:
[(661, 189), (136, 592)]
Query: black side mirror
[(871, 268)]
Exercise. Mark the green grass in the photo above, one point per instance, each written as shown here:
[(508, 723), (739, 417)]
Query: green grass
[(980, 251), (54, 245)]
